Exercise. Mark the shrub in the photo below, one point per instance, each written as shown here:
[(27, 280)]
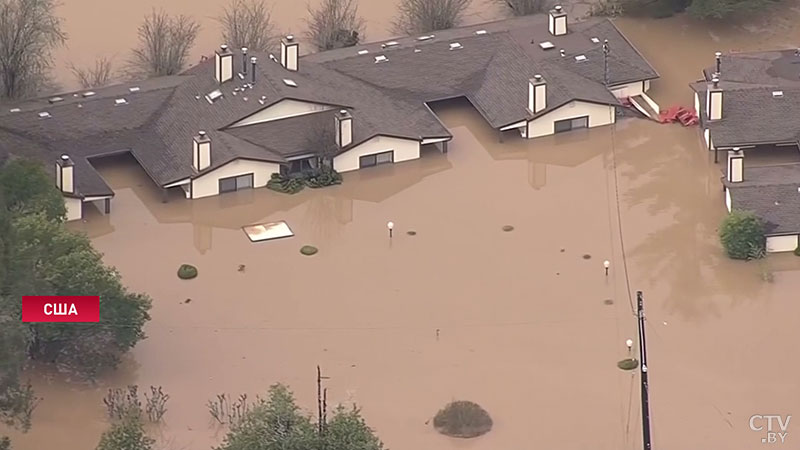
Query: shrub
[(628, 364), (335, 24), (308, 250), (462, 419), (797, 251), (187, 272), (286, 184), (323, 177), (742, 235), (292, 184)]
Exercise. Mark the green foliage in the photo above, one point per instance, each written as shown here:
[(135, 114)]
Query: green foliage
[(28, 189), (462, 419), (628, 364), (721, 9), (292, 184), (17, 400), (308, 250), (187, 272), (797, 251), (126, 434), (742, 235), (526, 7), (5, 443), (278, 424)]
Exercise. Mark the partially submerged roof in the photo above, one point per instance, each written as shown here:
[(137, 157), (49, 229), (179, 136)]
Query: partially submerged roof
[(773, 194), (155, 120)]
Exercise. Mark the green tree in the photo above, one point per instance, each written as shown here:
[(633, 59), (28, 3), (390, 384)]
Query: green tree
[(126, 434), (742, 235), (16, 399), (720, 9), (347, 430), (27, 189)]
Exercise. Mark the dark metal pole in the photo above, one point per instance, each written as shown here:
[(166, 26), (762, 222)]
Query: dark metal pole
[(643, 364), (606, 51)]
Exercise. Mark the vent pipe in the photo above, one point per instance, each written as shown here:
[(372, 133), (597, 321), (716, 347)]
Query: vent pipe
[(253, 62), (718, 56), (244, 60)]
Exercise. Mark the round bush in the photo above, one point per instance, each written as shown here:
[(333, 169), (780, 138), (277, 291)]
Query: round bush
[(462, 419), (628, 364), (308, 250), (742, 235), (187, 272), (508, 228)]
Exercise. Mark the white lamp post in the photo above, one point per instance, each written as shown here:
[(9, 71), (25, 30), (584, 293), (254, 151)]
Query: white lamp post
[(390, 226), (606, 265), (629, 344)]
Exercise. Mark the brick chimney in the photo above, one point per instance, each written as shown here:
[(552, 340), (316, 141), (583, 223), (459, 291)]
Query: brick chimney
[(557, 21), (735, 165), (714, 100), (290, 52), (65, 175), (537, 94), (223, 64), (201, 151), (344, 128)]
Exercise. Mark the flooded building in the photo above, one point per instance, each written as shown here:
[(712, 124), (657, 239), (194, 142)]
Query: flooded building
[(234, 120), (748, 104)]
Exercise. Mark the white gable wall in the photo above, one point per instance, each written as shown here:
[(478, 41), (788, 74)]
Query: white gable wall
[(629, 89), (781, 243), (598, 115), (404, 150), (74, 208), (282, 110), (208, 184)]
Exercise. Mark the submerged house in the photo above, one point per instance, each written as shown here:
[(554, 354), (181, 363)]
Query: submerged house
[(748, 104), (235, 119)]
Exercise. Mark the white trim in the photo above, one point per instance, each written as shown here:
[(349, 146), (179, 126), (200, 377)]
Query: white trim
[(99, 197), (434, 140), (514, 125), (178, 183), (303, 156)]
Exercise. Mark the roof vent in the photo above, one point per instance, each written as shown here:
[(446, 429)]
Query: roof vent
[(214, 95), (455, 46), (563, 52), (13, 110), (120, 101), (547, 45), (44, 115), (134, 89), (380, 59), (289, 82), (390, 44), (595, 40), (480, 32), (88, 93), (273, 58), (363, 52), (777, 94), (416, 50), (580, 58), (55, 100), (426, 38)]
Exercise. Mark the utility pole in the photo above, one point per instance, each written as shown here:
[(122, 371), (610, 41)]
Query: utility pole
[(643, 364)]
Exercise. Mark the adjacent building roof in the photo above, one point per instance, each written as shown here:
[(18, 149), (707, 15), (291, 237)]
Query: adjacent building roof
[(761, 94), (489, 64), (773, 194)]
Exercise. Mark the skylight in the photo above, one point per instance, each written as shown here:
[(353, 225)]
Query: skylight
[(55, 100), (416, 50), (777, 94), (426, 38), (214, 95), (390, 44), (580, 58), (88, 93), (547, 45), (120, 101), (595, 40), (455, 46), (134, 89), (363, 52), (380, 59), (13, 110), (44, 115), (479, 32), (289, 82)]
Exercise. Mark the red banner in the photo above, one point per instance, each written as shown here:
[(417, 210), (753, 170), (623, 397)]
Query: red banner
[(61, 308)]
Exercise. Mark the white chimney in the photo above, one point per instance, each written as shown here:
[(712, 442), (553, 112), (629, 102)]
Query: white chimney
[(735, 165), (201, 151), (558, 21), (65, 175), (344, 128), (223, 64), (290, 51), (537, 94), (714, 100)]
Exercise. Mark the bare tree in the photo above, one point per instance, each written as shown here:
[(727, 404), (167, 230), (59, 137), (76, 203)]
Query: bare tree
[(164, 44), (247, 23), (29, 32), (526, 7), (422, 16), (90, 77), (335, 24)]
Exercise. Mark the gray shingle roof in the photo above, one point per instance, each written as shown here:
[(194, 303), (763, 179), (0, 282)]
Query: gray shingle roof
[(773, 194), (160, 116)]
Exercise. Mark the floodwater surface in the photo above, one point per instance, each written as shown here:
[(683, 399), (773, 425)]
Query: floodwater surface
[(519, 322)]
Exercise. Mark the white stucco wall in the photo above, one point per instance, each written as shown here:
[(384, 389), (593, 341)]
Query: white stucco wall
[(728, 199), (404, 150), (208, 184), (74, 208), (646, 85), (282, 110), (628, 90), (598, 115), (697, 103), (781, 243)]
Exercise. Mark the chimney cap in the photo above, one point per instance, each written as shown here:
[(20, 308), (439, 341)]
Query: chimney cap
[(253, 60), (715, 80), (201, 133), (557, 8), (223, 47), (342, 111), (289, 37), (718, 54), (537, 77), (65, 157)]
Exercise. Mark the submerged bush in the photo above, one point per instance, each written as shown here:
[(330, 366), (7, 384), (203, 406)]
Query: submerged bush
[(187, 272), (462, 419), (742, 235), (628, 364), (292, 184), (308, 250)]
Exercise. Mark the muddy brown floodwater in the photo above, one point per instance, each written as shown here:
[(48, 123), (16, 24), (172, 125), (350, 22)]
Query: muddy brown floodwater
[(525, 325)]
